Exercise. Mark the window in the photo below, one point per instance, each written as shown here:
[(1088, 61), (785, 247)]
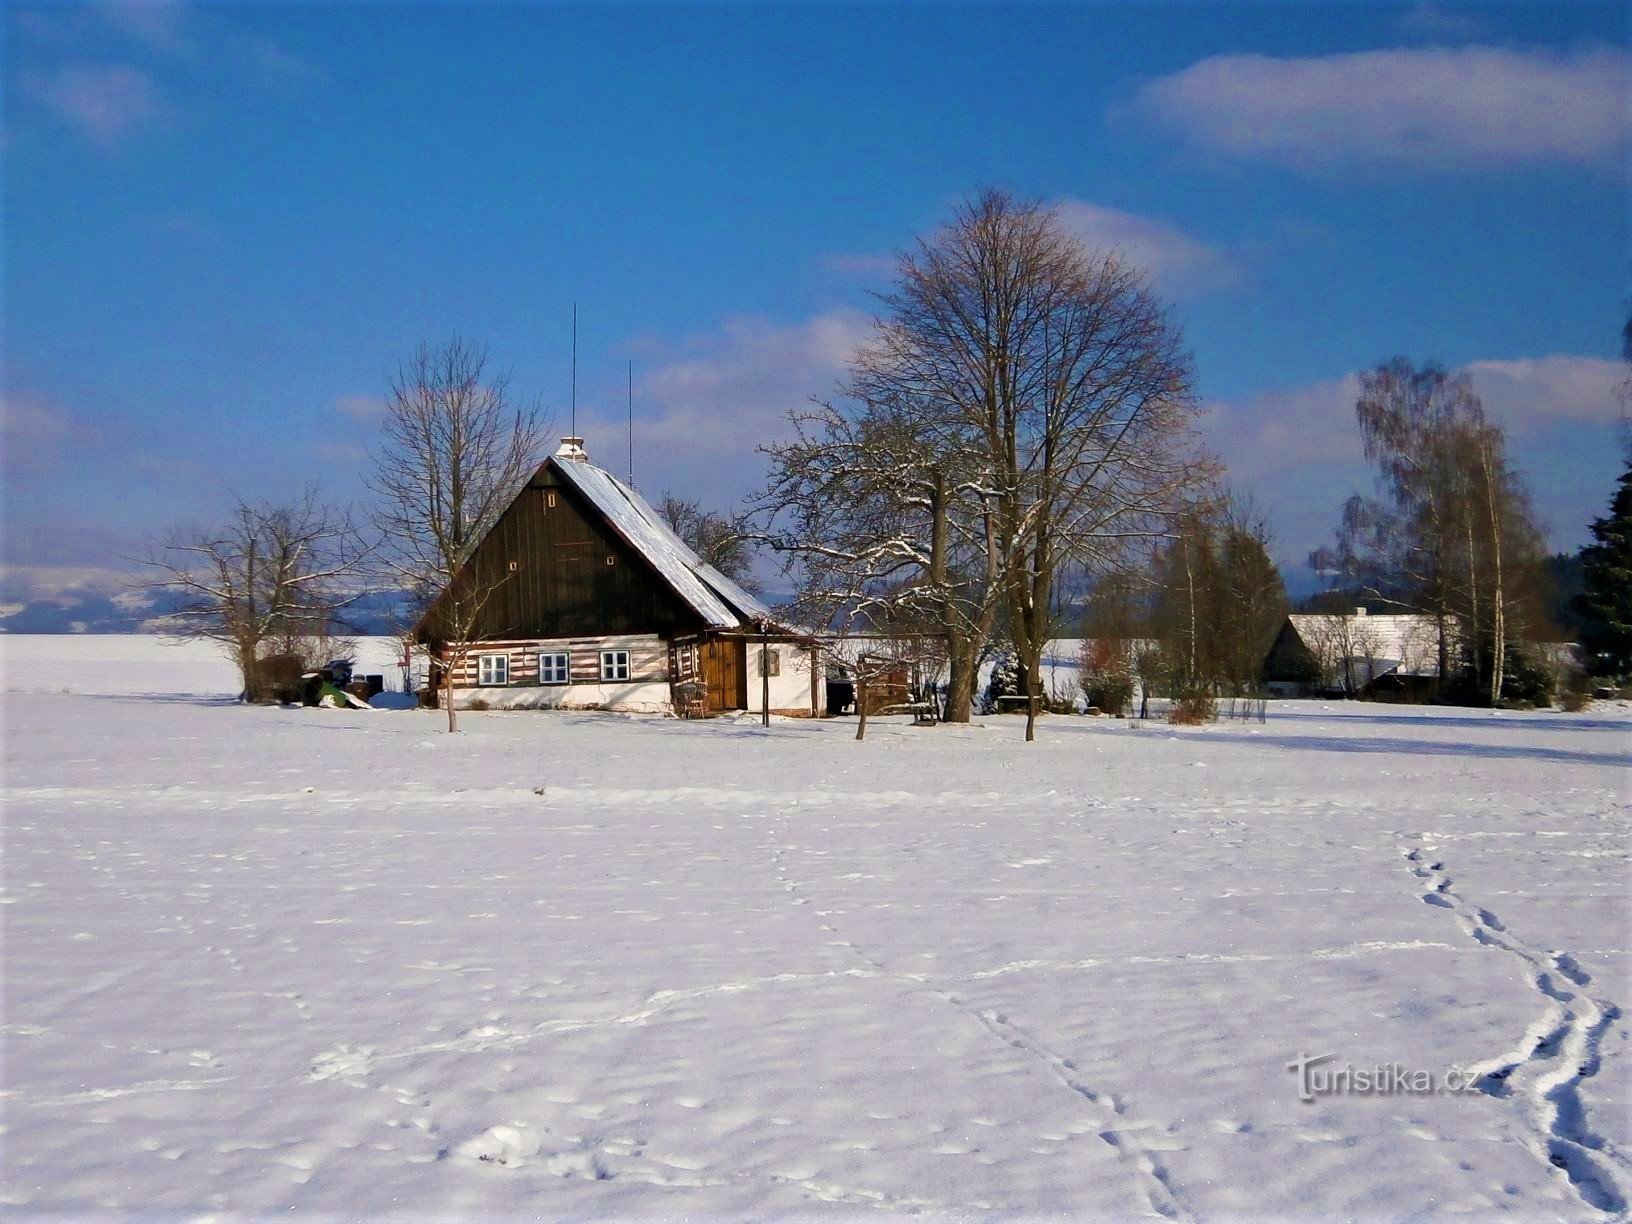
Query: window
[(492, 670), (555, 667), (770, 661), (614, 665)]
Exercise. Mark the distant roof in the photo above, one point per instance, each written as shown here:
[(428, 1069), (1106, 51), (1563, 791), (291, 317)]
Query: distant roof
[(1406, 644), (719, 601)]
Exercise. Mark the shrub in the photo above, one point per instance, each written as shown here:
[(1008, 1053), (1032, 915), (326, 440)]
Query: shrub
[(1111, 693), (1193, 707), (1575, 692), (478, 704)]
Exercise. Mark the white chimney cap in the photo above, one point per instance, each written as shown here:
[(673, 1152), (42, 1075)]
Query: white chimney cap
[(1359, 611), (572, 448)]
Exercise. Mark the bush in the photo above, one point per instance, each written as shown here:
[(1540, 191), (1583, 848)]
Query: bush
[(1574, 691), (1193, 707), (477, 704), (1111, 693)]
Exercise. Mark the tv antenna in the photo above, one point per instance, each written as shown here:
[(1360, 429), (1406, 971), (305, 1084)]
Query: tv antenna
[(631, 424), (575, 369)]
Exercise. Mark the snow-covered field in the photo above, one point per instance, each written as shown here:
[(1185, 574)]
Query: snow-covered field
[(269, 962)]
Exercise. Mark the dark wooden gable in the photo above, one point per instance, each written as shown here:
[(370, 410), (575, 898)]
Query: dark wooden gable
[(564, 572), (1289, 658)]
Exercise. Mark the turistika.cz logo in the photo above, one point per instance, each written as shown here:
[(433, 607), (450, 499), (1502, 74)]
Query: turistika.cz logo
[(1385, 1079)]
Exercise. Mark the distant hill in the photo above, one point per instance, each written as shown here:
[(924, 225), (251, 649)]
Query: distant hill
[(104, 601)]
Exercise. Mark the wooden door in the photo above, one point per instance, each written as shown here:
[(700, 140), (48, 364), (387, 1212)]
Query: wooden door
[(724, 674)]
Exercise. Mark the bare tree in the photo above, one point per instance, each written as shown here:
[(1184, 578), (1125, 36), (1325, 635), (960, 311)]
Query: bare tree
[(456, 451), (1453, 524), (1024, 402), (272, 574), (719, 540), (884, 532)]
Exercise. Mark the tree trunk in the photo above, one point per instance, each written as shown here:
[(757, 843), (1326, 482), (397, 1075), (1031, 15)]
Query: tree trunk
[(1034, 697), (1498, 598), (960, 688), (861, 704), (249, 672), (447, 698)]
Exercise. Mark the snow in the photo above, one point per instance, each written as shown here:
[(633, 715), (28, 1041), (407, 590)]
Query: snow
[(337, 963)]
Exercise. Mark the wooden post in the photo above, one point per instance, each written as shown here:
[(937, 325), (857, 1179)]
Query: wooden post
[(764, 673)]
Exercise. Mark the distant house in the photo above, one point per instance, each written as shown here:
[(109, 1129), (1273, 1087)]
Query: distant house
[(1388, 658), (597, 604)]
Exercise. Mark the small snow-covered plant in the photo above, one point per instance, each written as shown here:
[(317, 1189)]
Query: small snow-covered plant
[(1003, 682), (477, 704)]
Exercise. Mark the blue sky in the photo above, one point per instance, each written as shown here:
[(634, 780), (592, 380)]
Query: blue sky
[(224, 225)]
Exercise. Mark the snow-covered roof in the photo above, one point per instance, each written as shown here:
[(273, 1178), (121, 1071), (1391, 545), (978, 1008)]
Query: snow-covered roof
[(720, 602), (1406, 644)]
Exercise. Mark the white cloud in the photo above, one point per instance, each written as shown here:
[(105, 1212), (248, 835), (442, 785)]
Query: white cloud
[(1531, 393), (1429, 106), (1315, 422), (1176, 261), (1298, 448), (106, 103), (34, 431), (1300, 426), (702, 406), (365, 408)]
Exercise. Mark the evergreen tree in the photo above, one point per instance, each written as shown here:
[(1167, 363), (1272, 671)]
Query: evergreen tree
[(1003, 682), (1607, 599)]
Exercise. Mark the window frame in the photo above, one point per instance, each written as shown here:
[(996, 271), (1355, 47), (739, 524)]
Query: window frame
[(565, 656), (485, 666), (610, 665)]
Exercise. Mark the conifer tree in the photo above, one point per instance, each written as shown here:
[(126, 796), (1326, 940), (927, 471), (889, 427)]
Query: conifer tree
[(1607, 572)]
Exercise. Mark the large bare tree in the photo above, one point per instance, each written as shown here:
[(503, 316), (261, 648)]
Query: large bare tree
[(272, 574), (456, 449), (1024, 402)]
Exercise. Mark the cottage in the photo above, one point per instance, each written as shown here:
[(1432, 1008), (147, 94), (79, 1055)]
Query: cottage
[(596, 604), (1389, 657)]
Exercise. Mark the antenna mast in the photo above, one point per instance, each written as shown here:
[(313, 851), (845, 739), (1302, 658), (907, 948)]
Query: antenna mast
[(631, 424), (575, 369)]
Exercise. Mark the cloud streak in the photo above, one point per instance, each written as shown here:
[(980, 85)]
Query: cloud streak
[(106, 103), (1177, 262), (1299, 449), (1434, 107), (702, 406)]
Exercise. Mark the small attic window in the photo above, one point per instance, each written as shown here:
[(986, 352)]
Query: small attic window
[(610, 559)]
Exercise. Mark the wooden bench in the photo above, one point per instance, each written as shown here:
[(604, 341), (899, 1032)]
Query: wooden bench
[(923, 712)]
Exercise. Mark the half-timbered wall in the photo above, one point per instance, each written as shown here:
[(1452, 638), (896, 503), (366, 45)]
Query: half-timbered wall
[(647, 687)]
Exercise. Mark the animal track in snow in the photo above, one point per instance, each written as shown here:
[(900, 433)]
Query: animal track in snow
[(1559, 1050)]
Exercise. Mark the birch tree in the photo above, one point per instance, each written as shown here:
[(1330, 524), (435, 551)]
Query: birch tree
[(1453, 523), (455, 451)]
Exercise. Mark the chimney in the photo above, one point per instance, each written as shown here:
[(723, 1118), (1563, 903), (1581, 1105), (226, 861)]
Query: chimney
[(1357, 611), (572, 448)]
